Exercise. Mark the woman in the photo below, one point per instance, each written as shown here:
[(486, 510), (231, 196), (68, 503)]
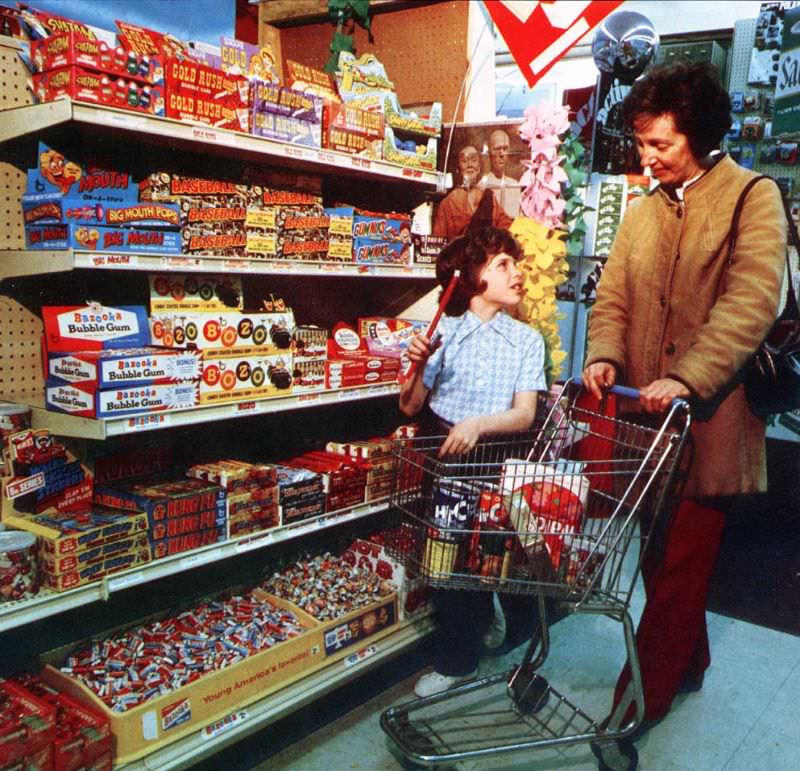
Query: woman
[(455, 212), (676, 319)]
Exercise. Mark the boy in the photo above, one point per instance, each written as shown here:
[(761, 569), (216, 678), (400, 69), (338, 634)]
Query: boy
[(481, 372)]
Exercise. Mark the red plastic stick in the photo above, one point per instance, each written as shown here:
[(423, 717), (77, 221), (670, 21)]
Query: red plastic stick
[(446, 295)]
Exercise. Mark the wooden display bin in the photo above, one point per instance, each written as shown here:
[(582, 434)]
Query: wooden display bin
[(143, 729)]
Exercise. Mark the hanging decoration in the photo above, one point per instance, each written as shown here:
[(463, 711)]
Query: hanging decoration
[(553, 226), (345, 14)]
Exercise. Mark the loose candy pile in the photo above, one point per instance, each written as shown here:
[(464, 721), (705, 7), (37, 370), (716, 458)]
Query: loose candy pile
[(327, 587), (143, 663)]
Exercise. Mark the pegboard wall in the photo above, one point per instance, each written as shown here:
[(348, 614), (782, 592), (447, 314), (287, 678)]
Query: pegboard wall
[(744, 41), (423, 49), (20, 330)]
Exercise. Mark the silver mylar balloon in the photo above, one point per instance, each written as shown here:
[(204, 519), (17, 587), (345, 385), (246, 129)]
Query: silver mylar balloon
[(625, 43)]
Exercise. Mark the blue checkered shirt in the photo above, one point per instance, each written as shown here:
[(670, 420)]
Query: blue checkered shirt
[(479, 367)]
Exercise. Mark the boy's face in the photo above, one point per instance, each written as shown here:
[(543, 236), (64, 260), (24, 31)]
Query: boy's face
[(503, 281)]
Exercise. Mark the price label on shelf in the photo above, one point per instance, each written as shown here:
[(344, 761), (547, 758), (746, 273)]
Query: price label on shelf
[(122, 261), (359, 656), (205, 134), (235, 265), (331, 267), (147, 422), (254, 542), (182, 263), (309, 398), (193, 561), (242, 408), (360, 163), (291, 151), (225, 724), (414, 173), (326, 156), (126, 580)]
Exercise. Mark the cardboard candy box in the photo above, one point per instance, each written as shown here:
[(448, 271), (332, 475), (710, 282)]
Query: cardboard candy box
[(97, 238), (96, 87), (69, 328), (350, 130), (195, 292), (60, 209), (246, 377), (85, 402)]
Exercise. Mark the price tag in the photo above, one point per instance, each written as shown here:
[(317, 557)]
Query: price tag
[(225, 724), (255, 542), (244, 407), (291, 151), (409, 172), (147, 422), (309, 398), (205, 134), (326, 157), (236, 265), (181, 263), (121, 261), (344, 396), (124, 581), (359, 656), (331, 267), (200, 559), (360, 163)]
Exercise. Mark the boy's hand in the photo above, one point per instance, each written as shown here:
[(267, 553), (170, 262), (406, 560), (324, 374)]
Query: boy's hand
[(419, 349), (462, 438)]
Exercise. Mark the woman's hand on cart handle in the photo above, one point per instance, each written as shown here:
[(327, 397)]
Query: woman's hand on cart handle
[(656, 397), (598, 378)]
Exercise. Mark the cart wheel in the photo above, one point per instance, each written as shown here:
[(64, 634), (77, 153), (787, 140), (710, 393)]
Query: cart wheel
[(616, 755)]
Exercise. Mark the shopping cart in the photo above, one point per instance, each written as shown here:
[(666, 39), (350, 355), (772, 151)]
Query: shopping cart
[(557, 512)]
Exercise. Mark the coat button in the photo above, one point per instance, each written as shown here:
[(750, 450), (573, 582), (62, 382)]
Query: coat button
[(670, 349), (679, 212), (663, 301)]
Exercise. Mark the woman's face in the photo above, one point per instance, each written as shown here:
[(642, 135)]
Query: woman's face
[(664, 150)]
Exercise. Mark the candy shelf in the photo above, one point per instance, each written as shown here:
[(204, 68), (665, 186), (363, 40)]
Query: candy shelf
[(31, 263), (65, 114), (211, 739), (62, 424), (47, 603)]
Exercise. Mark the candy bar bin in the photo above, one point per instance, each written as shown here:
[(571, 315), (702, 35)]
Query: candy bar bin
[(554, 513)]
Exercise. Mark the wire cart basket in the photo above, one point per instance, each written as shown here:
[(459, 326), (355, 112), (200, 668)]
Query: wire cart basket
[(554, 513)]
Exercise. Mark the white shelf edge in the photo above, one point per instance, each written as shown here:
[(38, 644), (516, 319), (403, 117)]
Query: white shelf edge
[(184, 752), (30, 119), (62, 424), (21, 262), (53, 603)]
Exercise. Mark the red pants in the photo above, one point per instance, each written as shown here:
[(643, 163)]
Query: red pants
[(672, 639)]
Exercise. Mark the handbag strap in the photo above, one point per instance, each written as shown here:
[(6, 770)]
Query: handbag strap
[(790, 309)]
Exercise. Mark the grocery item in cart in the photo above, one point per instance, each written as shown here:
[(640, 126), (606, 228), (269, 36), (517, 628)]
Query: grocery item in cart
[(453, 510)]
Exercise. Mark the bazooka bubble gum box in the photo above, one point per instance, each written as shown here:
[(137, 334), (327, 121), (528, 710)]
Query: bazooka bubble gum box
[(94, 327)]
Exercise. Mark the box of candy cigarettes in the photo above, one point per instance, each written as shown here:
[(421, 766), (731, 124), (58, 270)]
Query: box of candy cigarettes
[(165, 499), (308, 376), (86, 85), (245, 377), (72, 532), (130, 367), (69, 328), (247, 524), (60, 209), (227, 334), (296, 482), (71, 47), (310, 343), (305, 507), (99, 238), (426, 248), (86, 402), (337, 381), (190, 292), (64, 563), (280, 648)]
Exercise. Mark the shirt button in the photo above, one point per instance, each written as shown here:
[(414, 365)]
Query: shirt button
[(670, 349)]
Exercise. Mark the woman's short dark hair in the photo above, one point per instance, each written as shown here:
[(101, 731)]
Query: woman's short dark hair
[(469, 253), (692, 94)]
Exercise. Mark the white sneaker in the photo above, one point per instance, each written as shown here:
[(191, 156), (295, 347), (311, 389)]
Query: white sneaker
[(495, 635), (433, 682)]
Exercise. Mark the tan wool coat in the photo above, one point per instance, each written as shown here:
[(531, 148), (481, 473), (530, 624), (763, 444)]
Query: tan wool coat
[(668, 305)]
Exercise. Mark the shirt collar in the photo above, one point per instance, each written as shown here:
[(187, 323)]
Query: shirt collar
[(501, 323)]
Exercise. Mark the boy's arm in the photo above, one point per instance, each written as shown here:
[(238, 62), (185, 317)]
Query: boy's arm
[(413, 394), (464, 436)]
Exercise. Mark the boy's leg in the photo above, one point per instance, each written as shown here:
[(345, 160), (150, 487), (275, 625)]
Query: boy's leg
[(461, 620)]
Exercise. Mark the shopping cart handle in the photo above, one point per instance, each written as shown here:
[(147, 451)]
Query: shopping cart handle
[(626, 392)]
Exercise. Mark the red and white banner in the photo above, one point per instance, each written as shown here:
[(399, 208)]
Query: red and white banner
[(539, 32)]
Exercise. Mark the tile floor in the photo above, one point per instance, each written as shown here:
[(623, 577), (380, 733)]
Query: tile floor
[(746, 718)]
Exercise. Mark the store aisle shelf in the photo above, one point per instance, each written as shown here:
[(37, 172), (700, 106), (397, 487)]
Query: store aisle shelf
[(207, 741), (46, 604), (62, 424), (32, 262), (30, 120)]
